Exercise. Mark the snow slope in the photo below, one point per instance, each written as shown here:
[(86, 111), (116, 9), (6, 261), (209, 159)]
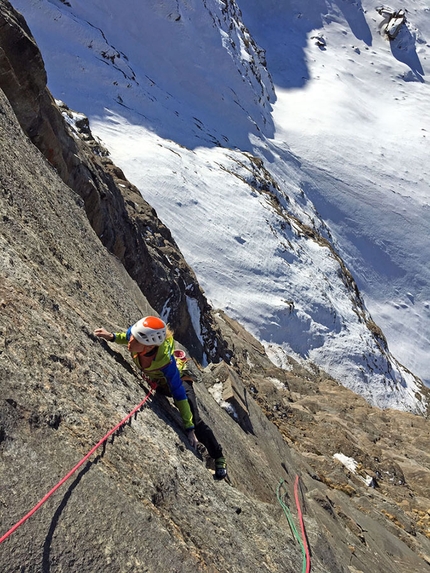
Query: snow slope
[(179, 93), (357, 114)]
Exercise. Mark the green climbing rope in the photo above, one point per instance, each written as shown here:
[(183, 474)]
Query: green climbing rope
[(291, 523)]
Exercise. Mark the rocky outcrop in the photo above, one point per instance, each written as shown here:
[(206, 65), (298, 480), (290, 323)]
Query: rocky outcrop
[(393, 20), (147, 502), (127, 226), (320, 418)]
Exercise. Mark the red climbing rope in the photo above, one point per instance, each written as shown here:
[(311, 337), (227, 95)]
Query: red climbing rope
[(302, 524), (78, 465)]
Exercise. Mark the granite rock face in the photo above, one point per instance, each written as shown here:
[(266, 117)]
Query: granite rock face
[(147, 502), (125, 223)]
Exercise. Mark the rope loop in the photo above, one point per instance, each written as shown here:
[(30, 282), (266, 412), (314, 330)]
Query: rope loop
[(301, 539)]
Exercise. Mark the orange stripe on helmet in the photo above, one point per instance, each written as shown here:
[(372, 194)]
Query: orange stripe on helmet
[(153, 322)]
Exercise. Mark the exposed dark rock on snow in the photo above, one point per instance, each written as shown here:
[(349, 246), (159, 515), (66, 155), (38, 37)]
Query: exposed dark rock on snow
[(150, 503), (393, 20)]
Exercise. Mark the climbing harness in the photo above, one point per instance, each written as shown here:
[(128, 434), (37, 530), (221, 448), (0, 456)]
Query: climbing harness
[(78, 465), (301, 539)]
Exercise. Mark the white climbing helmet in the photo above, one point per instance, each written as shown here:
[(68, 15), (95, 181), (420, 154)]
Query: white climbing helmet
[(149, 331)]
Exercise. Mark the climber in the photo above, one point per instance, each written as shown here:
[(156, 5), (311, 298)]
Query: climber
[(151, 344)]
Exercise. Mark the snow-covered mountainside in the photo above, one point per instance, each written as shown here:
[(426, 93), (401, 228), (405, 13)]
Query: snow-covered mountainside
[(284, 147)]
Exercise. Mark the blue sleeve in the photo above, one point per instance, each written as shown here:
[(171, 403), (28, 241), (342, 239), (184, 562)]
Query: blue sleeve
[(173, 378)]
